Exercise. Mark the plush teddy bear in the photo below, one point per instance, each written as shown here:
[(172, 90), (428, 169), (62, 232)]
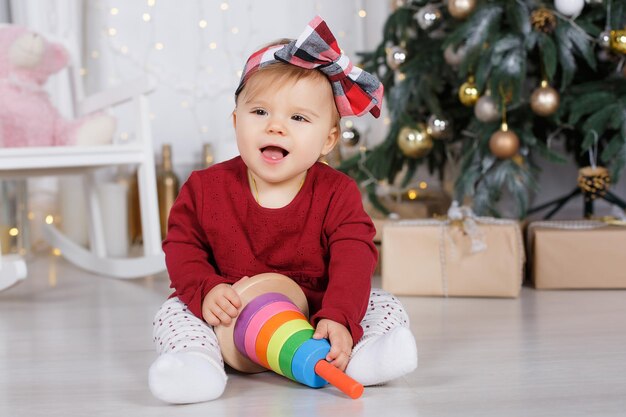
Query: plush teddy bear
[(27, 117)]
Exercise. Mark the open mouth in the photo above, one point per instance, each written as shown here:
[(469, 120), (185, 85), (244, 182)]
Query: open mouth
[(274, 153)]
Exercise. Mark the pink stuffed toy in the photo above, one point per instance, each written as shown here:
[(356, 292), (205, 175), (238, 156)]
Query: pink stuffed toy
[(27, 117)]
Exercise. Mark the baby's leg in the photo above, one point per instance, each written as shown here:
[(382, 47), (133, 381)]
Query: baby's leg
[(190, 367), (387, 349)]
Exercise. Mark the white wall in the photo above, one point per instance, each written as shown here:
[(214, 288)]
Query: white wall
[(198, 68)]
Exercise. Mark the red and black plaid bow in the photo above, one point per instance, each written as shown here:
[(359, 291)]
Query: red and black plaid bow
[(356, 91)]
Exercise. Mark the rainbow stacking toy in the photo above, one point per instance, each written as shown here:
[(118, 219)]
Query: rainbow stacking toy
[(272, 332)]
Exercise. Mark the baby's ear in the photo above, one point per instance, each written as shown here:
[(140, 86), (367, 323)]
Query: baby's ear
[(234, 114), (331, 140)]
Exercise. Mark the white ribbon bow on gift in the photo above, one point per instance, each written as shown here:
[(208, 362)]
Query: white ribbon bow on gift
[(464, 216)]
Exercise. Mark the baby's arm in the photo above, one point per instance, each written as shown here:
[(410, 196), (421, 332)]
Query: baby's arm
[(350, 232), (187, 252)]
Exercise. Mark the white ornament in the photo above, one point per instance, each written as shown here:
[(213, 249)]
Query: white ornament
[(486, 109), (570, 8)]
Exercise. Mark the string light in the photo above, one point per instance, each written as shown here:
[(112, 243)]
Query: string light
[(196, 89), (49, 219), (423, 185), (412, 194), (14, 231)]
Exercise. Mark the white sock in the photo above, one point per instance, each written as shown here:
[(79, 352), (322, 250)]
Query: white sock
[(186, 377), (384, 357)]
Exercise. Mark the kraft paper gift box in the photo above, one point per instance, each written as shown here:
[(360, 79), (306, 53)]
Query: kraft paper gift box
[(577, 254), (483, 257)]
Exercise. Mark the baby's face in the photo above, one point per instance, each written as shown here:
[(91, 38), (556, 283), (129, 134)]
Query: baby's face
[(283, 130)]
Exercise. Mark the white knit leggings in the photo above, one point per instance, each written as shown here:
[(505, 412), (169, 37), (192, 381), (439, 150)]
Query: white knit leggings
[(176, 329)]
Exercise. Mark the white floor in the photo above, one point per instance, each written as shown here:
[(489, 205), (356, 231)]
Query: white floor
[(75, 344)]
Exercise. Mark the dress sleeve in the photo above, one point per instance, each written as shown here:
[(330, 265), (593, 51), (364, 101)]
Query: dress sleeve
[(350, 233), (187, 255)]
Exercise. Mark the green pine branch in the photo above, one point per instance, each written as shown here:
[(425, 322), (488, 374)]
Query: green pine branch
[(508, 53)]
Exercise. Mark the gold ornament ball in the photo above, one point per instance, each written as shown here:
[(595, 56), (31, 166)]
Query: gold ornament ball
[(460, 9), (545, 100), (504, 143), (618, 41), (415, 142), (468, 93)]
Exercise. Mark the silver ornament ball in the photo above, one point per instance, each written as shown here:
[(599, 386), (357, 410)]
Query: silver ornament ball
[(428, 17), (396, 55), (486, 109), (350, 136), (454, 56), (439, 127), (604, 39)]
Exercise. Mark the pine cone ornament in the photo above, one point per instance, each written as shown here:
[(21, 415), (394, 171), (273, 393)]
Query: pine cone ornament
[(543, 20)]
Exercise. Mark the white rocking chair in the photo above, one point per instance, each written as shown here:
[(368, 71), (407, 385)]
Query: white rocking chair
[(85, 160)]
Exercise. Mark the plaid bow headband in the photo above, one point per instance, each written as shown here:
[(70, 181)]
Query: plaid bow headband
[(356, 91)]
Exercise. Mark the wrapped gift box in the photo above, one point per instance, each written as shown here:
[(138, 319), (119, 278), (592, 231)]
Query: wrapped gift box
[(577, 254), (453, 258)]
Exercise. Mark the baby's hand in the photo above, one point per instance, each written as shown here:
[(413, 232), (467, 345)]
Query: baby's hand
[(340, 342), (220, 305)]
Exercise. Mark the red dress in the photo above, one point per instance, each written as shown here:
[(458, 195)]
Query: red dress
[(218, 233)]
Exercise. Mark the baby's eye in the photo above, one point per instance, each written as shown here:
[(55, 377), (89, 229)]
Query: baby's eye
[(259, 112), (299, 118)]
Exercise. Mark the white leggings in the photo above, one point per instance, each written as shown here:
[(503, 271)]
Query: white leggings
[(176, 329)]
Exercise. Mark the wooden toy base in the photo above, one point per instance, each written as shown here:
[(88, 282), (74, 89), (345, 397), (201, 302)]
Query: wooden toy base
[(249, 289)]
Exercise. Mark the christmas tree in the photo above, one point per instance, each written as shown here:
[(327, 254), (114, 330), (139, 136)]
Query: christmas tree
[(488, 85)]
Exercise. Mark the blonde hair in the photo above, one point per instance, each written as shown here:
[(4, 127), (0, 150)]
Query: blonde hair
[(280, 74)]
